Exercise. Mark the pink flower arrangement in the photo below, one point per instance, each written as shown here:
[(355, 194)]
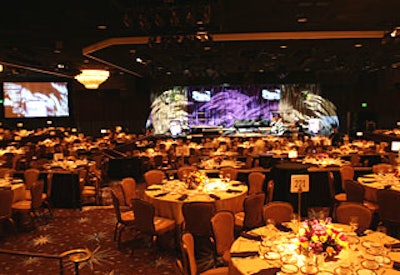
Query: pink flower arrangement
[(194, 179), (320, 236)]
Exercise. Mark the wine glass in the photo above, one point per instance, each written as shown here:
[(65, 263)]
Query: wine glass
[(171, 176), (353, 223)]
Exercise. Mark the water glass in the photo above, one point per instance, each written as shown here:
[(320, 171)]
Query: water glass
[(353, 223)]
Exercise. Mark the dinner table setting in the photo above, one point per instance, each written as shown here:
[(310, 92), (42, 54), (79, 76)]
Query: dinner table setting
[(375, 181), (314, 247), (169, 196)]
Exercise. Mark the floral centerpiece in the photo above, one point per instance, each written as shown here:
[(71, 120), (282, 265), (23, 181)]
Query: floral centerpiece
[(195, 179), (317, 237)]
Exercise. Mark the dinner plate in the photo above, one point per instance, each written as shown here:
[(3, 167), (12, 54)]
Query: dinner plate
[(365, 272), (383, 260), (340, 271), (367, 243), (370, 264), (289, 269), (366, 180), (272, 256)]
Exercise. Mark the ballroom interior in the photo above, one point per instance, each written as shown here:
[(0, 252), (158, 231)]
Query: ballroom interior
[(200, 137)]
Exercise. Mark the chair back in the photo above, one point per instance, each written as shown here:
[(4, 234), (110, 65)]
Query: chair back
[(270, 191), (183, 171), (31, 175), (388, 200), (354, 191), (116, 205), (6, 200), (197, 217), (129, 189), (256, 182), (382, 168), (331, 185), (144, 213), (223, 227), (154, 177), (229, 170), (189, 259), (36, 194), (346, 173), (6, 171), (253, 211), (278, 211), (345, 211), (158, 161)]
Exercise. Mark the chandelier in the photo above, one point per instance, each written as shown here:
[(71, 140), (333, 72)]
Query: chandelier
[(91, 78)]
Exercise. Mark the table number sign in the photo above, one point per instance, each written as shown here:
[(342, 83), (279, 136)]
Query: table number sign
[(299, 183)]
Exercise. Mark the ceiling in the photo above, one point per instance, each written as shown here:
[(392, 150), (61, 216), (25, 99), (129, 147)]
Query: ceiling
[(156, 39)]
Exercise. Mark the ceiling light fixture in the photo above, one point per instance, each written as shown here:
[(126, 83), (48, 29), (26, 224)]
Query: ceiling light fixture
[(92, 78)]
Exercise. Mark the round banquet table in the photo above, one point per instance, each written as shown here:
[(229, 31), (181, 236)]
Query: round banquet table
[(373, 182), (355, 258), (169, 197)]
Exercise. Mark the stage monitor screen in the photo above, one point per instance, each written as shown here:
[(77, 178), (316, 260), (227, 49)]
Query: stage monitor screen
[(201, 96), (35, 99), (273, 94)]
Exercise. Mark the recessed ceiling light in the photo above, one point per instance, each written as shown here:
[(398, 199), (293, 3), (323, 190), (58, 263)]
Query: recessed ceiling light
[(57, 51), (283, 46), (60, 66), (358, 45), (168, 73), (261, 70), (101, 27)]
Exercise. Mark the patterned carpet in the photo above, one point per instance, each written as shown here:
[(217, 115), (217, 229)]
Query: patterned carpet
[(91, 228)]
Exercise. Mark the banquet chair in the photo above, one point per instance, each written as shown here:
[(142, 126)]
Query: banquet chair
[(197, 218), (346, 173), (256, 182), (183, 171), (6, 171), (252, 215), (382, 168), (332, 193), (355, 192), (389, 214), (146, 222), (32, 207), (125, 219), (270, 191), (128, 187), (278, 211), (189, 266), (231, 170), (154, 176), (31, 175), (88, 192), (6, 200), (158, 161), (345, 211), (223, 227)]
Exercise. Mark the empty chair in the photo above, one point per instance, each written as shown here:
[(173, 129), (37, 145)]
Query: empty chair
[(256, 182), (125, 219), (33, 206), (31, 176), (252, 215), (270, 191), (6, 200), (278, 211), (355, 192), (184, 171), (389, 214), (346, 173), (229, 170), (146, 222), (223, 227), (189, 266), (382, 168), (128, 187), (197, 218), (346, 211), (154, 177)]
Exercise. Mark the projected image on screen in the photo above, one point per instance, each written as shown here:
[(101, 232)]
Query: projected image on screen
[(35, 99)]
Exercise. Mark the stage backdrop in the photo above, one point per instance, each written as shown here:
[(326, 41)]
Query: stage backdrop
[(185, 107)]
